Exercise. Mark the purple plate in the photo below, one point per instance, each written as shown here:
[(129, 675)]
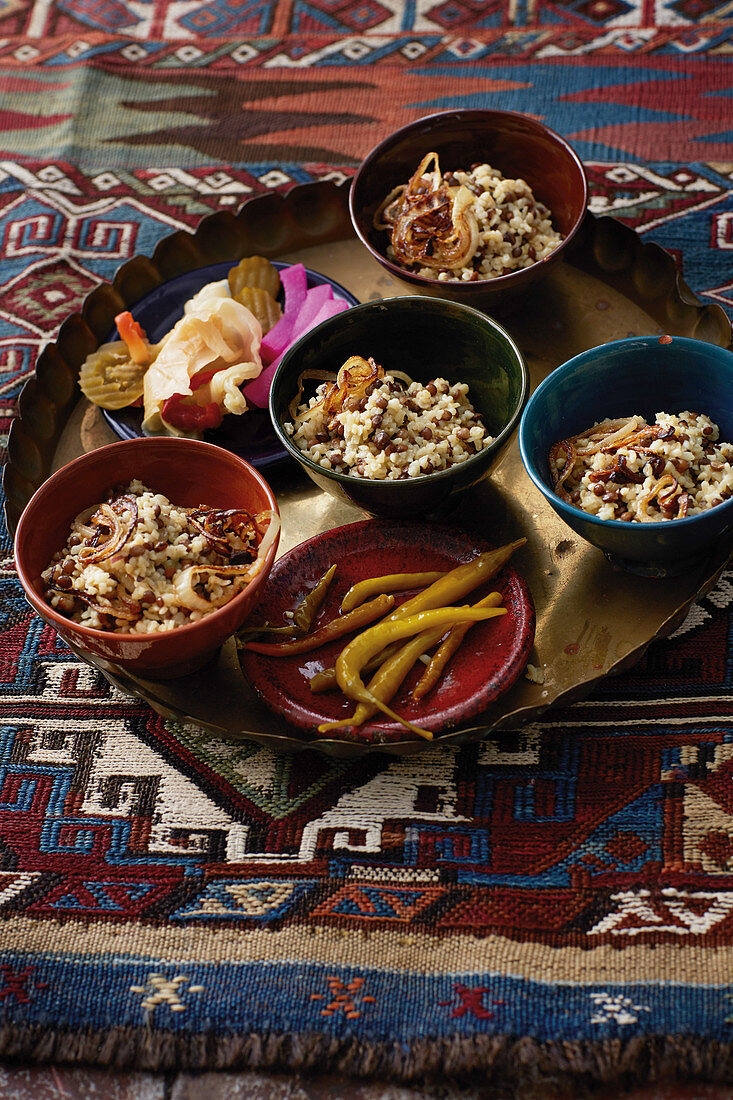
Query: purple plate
[(250, 436), (492, 657)]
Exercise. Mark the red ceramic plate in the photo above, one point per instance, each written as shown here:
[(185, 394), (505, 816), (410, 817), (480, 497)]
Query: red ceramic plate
[(491, 658)]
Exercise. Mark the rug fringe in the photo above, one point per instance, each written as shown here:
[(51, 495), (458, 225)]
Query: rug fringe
[(495, 1059)]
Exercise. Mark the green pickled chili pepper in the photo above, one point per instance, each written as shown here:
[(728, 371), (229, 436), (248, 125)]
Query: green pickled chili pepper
[(392, 582), (248, 634), (303, 615), (336, 628), (309, 606)]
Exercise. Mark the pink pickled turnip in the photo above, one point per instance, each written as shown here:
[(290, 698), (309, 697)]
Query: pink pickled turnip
[(315, 298), (277, 339), (282, 335), (295, 287), (257, 392), (328, 309)]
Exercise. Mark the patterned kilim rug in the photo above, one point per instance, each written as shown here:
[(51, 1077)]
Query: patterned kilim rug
[(558, 900)]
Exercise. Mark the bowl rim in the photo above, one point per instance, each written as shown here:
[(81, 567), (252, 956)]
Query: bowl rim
[(390, 484), (589, 355), (61, 622), (502, 281)]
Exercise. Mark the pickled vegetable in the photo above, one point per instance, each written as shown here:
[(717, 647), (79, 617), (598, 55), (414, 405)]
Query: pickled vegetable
[(262, 304), (451, 645), (135, 337), (352, 659), (110, 379), (334, 628), (254, 271), (309, 606)]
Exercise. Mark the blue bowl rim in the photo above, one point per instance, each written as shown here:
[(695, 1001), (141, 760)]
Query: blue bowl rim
[(348, 479), (500, 281), (557, 502)]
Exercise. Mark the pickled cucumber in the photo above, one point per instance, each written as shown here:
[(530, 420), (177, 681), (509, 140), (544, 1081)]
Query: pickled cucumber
[(254, 271), (262, 304), (110, 379)]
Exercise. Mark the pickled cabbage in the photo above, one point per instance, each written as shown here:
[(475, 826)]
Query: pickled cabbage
[(218, 336)]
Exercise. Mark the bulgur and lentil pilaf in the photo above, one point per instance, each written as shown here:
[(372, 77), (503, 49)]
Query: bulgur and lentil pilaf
[(137, 563), (385, 427), (465, 225), (633, 471)]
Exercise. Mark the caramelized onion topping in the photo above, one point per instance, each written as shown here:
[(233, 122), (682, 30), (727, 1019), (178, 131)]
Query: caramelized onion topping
[(113, 523), (607, 438), (345, 392), (430, 223)]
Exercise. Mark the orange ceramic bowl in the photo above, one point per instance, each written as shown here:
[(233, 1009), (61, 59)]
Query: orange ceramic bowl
[(188, 472)]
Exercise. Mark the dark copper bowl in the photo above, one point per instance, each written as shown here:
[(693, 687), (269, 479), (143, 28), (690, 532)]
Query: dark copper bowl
[(518, 145)]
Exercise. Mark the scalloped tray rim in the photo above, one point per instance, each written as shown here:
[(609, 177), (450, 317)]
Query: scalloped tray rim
[(31, 400)]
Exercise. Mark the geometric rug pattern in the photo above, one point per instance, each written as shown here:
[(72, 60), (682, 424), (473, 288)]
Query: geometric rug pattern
[(167, 898)]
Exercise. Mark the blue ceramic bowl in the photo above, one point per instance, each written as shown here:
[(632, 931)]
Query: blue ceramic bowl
[(426, 338), (642, 375)]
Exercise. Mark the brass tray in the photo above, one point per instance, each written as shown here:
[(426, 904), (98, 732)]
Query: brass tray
[(592, 619)]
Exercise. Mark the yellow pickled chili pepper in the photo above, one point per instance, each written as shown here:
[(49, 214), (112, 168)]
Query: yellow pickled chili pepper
[(389, 676), (359, 650), (392, 582), (458, 582), (388, 679), (453, 585), (336, 628), (325, 680), (443, 654)]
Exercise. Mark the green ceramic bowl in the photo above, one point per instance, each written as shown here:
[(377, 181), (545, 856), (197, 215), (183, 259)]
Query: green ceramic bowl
[(426, 338)]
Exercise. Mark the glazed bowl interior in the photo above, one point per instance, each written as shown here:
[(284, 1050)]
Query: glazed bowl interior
[(426, 338), (644, 376), (188, 472), (517, 145)]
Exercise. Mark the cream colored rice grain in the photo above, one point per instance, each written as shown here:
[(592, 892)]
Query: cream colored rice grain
[(140, 577), (394, 432)]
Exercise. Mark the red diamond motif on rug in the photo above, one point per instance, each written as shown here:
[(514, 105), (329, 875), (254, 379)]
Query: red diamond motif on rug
[(45, 294)]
